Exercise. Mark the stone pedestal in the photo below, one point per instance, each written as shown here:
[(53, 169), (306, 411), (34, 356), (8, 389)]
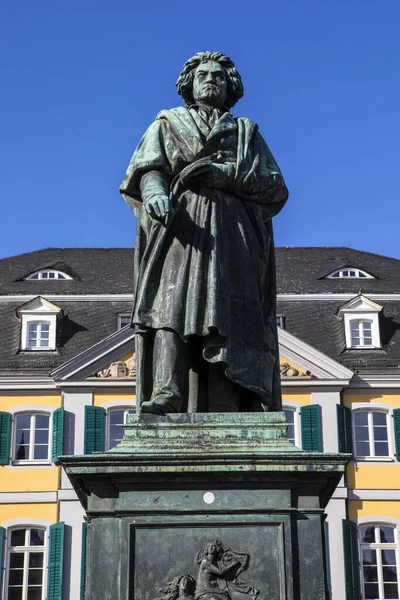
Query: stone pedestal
[(178, 481)]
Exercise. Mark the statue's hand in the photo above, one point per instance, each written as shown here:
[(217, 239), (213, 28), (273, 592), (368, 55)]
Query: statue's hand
[(218, 175), (158, 206)]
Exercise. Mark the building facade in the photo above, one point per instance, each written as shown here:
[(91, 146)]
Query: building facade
[(67, 385)]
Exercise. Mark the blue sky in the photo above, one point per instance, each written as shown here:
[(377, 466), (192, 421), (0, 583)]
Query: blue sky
[(82, 80)]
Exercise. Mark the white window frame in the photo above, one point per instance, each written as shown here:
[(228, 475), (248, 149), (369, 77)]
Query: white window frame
[(339, 274), (39, 325), (41, 275), (26, 549), (361, 320), (371, 522), (362, 308), (38, 310), (295, 408), (31, 461), (126, 408), (119, 320), (390, 434)]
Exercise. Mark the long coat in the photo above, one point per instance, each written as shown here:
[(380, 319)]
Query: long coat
[(210, 271)]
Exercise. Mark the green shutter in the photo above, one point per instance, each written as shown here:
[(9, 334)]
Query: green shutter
[(56, 554), (83, 561), (351, 561), (58, 434), (311, 427), (396, 422), (5, 432), (94, 429), (2, 566), (345, 437)]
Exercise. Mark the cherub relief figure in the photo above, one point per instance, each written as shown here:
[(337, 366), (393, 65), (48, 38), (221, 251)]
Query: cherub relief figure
[(217, 577), (179, 588), (204, 187)]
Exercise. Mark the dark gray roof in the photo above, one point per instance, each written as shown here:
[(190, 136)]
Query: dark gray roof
[(316, 322), (302, 270), (95, 271), (110, 271), (82, 324)]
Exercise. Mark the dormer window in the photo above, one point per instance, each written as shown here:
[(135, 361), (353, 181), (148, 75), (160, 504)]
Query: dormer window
[(38, 335), (47, 274), (360, 333), (349, 273), (361, 323), (38, 325)]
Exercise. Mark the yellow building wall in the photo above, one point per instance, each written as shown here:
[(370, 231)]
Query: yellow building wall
[(19, 399), (28, 479), (24, 512), (358, 509), (124, 396), (373, 477), (304, 398), (351, 398)]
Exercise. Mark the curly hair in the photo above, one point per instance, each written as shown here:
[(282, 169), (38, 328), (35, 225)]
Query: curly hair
[(185, 79), (171, 590), (204, 551)]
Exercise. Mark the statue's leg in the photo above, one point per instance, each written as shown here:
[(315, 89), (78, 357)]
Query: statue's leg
[(224, 395), (170, 365)]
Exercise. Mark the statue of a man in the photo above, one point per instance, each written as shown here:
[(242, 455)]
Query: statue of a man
[(204, 187)]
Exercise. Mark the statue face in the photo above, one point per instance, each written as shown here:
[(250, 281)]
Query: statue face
[(210, 85)]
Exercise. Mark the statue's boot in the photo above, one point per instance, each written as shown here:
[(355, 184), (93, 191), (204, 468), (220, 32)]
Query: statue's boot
[(161, 406)]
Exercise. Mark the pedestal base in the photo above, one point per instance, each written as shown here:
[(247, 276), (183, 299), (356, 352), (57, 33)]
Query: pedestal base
[(180, 481)]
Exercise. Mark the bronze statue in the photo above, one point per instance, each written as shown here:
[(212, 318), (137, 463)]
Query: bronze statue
[(204, 187), (217, 578)]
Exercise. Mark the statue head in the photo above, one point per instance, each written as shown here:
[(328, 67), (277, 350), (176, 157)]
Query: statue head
[(179, 587), (210, 78), (213, 549)]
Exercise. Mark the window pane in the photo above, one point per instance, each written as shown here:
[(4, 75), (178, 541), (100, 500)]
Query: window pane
[(37, 537), (381, 449), (388, 557), (362, 449), (17, 539), (369, 557), (116, 417), (35, 560), (34, 593), (361, 418), (16, 577), (42, 421), (389, 574), (15, 593), (52, 275), (44, 327), (42, 436), (379, 418), (361, 434), (380, 434), (35, 576), (60, 276), (387, 534), (390, 591), (370, 574), (371, 591), (23, 422), (367, 534), (41, 452)]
